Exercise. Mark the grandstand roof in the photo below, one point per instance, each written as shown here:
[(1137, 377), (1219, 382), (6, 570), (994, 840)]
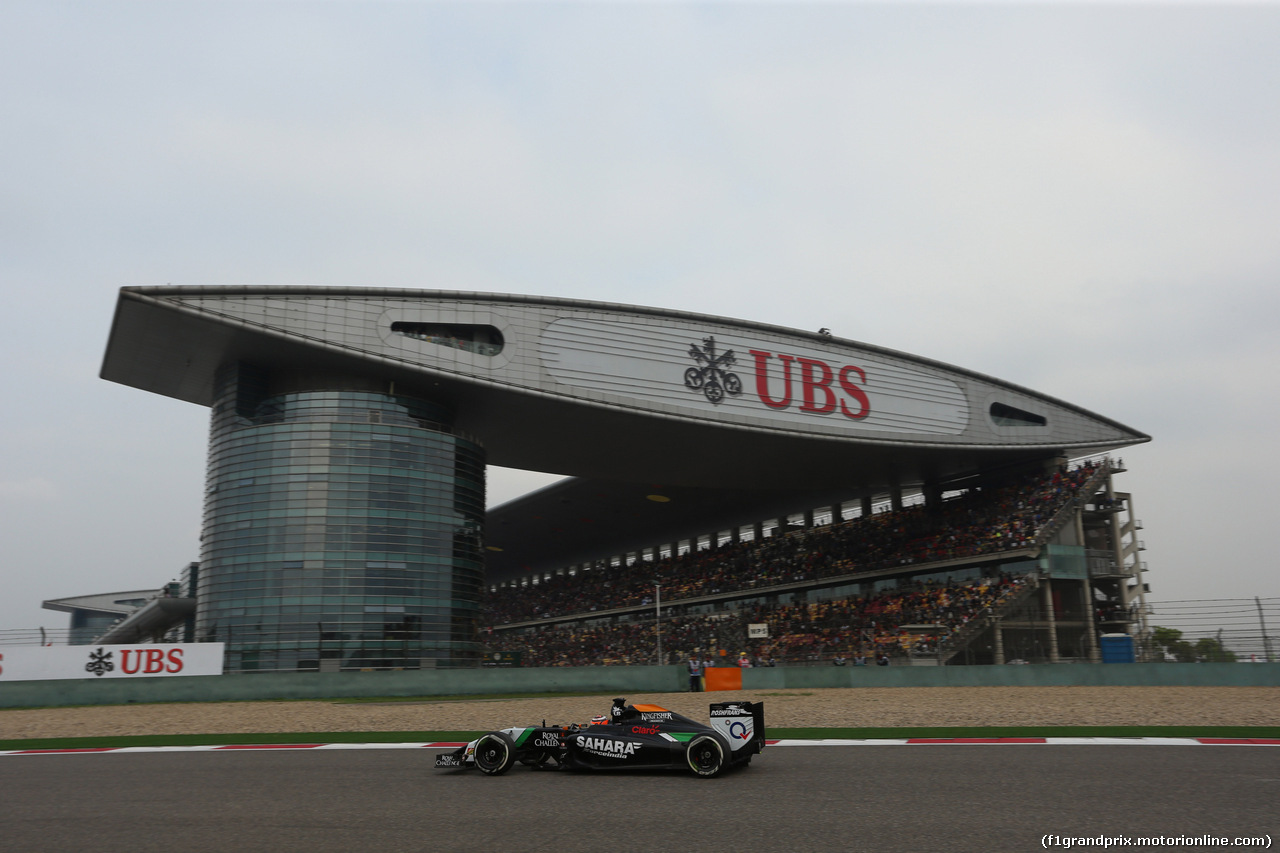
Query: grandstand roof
[(112, 603), (729, 419), (613, 392)]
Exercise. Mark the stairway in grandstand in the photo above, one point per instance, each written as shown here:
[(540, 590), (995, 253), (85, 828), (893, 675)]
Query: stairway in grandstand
[(974, 628), (957, 642), (1084, 493)]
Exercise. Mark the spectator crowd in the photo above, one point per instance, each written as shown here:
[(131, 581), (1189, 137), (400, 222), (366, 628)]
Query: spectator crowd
[(980, 521), (915, 619)]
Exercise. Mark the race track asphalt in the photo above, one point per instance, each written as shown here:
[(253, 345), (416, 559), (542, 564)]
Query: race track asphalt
[(792, 799)]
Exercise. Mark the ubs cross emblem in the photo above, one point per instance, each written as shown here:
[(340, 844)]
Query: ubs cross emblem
[(99, 662), (712, 376)]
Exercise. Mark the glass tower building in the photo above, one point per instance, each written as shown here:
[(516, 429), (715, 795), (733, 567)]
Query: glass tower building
[(342, 526)]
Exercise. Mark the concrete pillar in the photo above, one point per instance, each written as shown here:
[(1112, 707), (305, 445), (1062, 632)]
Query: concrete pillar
[(866, 507), (757, 530), (997, 630), (1090, 629), (837, 512), (1138, 594), (1046, 601), (808, 519), (895, 498)]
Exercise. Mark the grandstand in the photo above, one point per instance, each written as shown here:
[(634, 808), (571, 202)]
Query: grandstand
[(1026, 567)]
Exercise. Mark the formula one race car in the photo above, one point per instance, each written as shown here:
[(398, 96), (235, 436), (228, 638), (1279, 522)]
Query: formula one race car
[(632, 737)]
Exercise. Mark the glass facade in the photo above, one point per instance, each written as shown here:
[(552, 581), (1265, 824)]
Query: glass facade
[(342, 529)]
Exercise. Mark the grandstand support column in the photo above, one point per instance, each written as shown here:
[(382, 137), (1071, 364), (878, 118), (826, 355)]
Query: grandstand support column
[(1090, 628), (757, 531), (1138, 592), (837, 512), (808, 519), (895, 498), (1046, 600), (866, 506), (997, 633)]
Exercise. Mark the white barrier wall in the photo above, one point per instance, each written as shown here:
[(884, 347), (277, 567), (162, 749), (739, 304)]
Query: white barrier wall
[(35, 663)]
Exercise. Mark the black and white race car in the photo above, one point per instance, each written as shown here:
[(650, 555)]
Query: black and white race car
[(632, 737)]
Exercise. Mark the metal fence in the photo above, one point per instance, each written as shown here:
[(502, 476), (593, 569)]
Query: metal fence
[(1247, 627)]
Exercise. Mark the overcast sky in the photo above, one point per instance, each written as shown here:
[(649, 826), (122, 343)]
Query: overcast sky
[(1081, 199)]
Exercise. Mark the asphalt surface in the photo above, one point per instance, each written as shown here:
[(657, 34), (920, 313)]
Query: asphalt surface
[(872, 798)]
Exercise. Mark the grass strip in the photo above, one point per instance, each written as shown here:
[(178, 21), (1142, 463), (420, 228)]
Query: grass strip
[(119, 741), (780, 733)]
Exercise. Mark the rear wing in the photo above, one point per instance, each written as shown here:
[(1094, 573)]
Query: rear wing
[(742, 724)]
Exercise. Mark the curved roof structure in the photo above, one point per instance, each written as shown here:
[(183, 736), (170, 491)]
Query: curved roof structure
[(672, 424), (614, 392)]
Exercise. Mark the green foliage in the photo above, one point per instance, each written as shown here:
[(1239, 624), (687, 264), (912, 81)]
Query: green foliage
[(1204, 650), (1210, 650)]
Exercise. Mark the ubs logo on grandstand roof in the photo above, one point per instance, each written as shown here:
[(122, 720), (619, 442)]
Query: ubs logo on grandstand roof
[(822, 390), (812, 385), (712, 376)]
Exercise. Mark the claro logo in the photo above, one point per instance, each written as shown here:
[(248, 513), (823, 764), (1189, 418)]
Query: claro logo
[(818, 388)]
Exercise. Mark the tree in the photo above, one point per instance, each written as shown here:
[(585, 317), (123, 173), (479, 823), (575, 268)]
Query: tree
[(1169, 641), (1210, 650), (1205, 650)]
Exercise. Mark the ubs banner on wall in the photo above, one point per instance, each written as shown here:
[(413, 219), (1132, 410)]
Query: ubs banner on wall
[(34, 663)]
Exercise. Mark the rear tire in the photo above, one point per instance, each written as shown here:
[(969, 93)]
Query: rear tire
[(707, 756), (494, 754)]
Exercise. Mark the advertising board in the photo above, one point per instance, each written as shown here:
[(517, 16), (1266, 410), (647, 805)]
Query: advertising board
[(36, 663)]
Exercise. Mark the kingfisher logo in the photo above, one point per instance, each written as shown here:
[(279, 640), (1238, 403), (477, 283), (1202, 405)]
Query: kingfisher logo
[(782, 381)]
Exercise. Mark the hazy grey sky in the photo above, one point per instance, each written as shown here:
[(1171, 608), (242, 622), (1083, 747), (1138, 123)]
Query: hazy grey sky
[(1082, 199)]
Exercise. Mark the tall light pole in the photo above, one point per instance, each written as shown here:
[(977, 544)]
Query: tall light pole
[(1266, 641), (657, 619)]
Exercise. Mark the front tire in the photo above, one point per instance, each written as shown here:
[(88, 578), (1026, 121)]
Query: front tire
[(707, 756), (494, 754)]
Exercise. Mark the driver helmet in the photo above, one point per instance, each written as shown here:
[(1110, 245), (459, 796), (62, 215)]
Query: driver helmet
[(599, 720)]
